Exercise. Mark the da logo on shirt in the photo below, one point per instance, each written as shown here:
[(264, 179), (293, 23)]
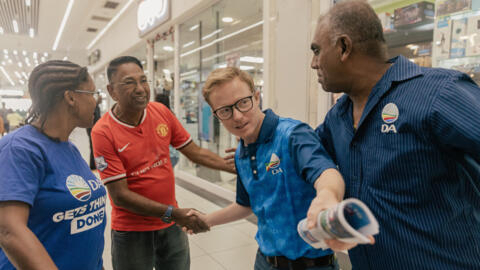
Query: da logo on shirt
[(389, 115), (78, 187), (101, 163), (162, 130), (273, 165)]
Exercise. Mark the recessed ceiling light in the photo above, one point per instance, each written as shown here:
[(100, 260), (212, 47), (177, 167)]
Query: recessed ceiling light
[(194, 27), (65, 58), (168, 48), (15, 26), (35, 55), (28, 3), (20, 64), (1, 30), (15, 52), (45, 54), (5, 51), (24, 52), (227, 19), (31, 32)]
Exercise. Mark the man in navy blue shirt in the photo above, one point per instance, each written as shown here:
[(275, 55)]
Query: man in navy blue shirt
[(407, 142), (280, 166)]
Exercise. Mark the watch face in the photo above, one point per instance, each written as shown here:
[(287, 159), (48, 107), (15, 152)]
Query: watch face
[(166, 219)]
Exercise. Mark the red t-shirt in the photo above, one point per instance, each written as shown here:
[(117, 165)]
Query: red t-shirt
[(140, 154)]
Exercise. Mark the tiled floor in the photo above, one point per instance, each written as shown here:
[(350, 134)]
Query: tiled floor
[(230, 246)]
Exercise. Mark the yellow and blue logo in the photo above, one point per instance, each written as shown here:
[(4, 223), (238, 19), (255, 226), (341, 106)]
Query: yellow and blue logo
[(78, 187)]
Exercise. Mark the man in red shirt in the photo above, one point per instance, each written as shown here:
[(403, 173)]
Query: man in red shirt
[(131, 145)]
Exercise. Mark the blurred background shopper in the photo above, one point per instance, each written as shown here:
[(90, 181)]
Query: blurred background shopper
[(52, 208)]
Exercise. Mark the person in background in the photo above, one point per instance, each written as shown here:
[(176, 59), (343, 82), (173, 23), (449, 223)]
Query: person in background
[(96, 117), (281, 167), (3, 115), (407, 142), (165, 100), (130, 145), (52, 208), (14, 119)]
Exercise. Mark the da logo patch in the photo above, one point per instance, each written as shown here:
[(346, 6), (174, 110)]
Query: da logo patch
[(390, 113), (78, 187), (274, 162), (100, 163), (162, 130)]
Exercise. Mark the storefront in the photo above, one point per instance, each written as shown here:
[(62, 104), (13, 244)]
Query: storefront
[(180, 42)]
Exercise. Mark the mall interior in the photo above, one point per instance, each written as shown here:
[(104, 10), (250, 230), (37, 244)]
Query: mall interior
[(179, 42)]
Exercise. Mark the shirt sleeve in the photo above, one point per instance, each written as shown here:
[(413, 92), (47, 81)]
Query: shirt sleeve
[(242, 197), (455, 112), (21, 174), (308, 154), (108, 163), (180, 137)]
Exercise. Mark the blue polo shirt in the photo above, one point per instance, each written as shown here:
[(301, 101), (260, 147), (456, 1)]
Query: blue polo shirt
[(411, 160), (275, 178)]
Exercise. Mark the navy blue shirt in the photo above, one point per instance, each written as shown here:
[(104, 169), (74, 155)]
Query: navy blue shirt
[(412, 161), (276, 177)]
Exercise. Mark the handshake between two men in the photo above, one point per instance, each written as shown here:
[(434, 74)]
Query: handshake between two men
[(190, 220)]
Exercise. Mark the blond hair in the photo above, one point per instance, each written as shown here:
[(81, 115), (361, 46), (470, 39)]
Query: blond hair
[(224, 75)]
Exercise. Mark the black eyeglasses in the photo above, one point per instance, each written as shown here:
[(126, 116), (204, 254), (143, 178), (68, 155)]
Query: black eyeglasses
[(132, 84), (226, 112), (95, 94)]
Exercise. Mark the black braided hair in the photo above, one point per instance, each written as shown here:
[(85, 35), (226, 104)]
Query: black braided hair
[(47, 84)]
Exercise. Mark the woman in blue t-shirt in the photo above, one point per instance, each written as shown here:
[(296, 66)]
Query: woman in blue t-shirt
[(52, 208)]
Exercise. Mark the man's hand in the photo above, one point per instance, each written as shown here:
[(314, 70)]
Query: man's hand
[(337, 245), (191, 222), (323, 200), (230, 159), (201, 216)]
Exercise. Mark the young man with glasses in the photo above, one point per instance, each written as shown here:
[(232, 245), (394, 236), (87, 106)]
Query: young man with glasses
[(131, 147), (280, 164)]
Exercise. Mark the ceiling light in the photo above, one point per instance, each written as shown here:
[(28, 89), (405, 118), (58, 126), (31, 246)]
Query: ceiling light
[(5, 51), (43, 59), (62, 25), (10, 61), (227, 19), (167, 72), (24, 53), (35, 55), (3, 63), (21, 81), (188, 44), (24, 75), (7, 76), (247, 67), (212, 34), (18, 74), (31, 32), (20, 64), (65, 58), (15, 52), (28, 3), (8, 92), (45, 54), (222, 38), (168, 48), (15, 26), (1, 30), (109, 24), (194, 27), (5, 56), (251, 59)]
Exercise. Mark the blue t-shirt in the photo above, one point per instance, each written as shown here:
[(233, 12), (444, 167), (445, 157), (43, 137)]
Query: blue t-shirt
[(67, 201)]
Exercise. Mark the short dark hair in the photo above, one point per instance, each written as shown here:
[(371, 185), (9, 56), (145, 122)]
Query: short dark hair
[(47, 83), (358, 20), (113, 65)]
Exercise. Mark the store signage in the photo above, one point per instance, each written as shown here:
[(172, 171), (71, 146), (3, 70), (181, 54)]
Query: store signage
[(152, 13)]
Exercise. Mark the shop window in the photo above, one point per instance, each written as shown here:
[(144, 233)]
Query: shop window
[(227, 34)]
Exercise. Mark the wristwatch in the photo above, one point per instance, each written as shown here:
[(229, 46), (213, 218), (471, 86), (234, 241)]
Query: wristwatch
[(167, 217)]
